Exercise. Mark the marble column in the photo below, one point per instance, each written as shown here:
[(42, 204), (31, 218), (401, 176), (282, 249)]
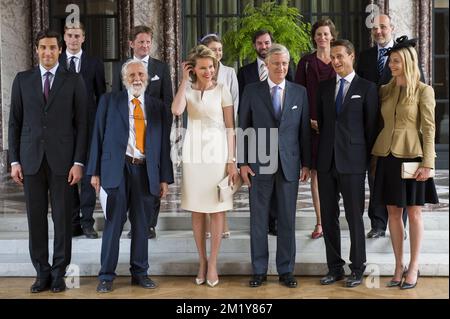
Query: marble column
[(15, 56)]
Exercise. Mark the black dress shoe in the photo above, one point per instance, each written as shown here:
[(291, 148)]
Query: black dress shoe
[(407, 285), (143, 281), (288, 280), (90, 233), (257, 280), (104, 286), (77, 231), (58, 285), (376, 233), (331, 278), (151, 233), (40, 285), (353, 280)]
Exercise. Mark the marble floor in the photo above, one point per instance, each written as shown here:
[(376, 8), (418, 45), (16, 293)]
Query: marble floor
[(12, 199)]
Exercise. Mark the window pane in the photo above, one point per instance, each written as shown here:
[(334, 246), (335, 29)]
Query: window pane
[(214, 7), (191, 34), (441, 78), (101, 7), (58, 7), (104, 41), (302, 5), (442, 123), (441, 33), (190, 7)]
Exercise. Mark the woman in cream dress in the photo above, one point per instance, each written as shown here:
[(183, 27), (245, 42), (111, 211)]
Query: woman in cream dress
[(225, 75), (208, 153)]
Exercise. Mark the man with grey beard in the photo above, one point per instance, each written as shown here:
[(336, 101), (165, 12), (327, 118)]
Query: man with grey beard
[(130, 161)]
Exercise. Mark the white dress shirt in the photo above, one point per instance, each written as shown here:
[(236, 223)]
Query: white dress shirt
[(144, 59), (52, 71), (77, 60), (348, 80)]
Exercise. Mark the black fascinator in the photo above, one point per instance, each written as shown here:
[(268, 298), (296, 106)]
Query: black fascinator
[(400, 43)]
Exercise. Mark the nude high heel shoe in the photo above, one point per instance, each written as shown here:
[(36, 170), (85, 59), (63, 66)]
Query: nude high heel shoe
[(212, 284)]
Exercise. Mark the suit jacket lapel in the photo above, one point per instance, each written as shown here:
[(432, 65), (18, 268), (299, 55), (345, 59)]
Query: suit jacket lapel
[(60, 77), (350, 92), (36, 82), (331, 94), (149, 116), (123, 108), (266, 97), (84, 61), (287, 99)]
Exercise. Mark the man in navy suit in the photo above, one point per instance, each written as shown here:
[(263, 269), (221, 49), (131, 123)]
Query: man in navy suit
[(93, 73), (47, 149), (130, 160), (347, 108), (159, 86), (256, 72), (281, 126)]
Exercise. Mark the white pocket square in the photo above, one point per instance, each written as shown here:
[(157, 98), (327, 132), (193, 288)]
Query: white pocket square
[(355, 97), (155, 78), (294, 107)]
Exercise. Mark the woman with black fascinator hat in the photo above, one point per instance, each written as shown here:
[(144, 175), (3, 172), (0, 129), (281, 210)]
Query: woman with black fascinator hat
[(407, 110)]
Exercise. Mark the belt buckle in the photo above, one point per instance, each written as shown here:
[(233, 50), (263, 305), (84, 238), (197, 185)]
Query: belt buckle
[(135, 161)]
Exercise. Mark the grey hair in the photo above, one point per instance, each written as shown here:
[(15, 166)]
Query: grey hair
[(125, 67), (277, 49)]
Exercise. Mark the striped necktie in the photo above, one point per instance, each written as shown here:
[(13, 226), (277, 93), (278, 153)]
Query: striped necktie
[(262, 72), (381, 60)]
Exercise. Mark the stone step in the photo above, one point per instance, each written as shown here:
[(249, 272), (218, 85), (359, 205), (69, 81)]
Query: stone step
[(186, 264), (305, 220), (183, 242)]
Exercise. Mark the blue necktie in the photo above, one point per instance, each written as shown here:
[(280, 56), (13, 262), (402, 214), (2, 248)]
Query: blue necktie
[(276, 101), (340, 96), (380, 63), (72, 65)]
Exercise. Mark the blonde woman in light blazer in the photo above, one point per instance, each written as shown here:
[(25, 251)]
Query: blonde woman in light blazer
[(407, 109), (225, 75)]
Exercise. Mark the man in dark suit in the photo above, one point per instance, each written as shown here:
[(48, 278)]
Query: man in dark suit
[(257, 72), (281, 126), (93, 73), (373, 65), (47, 149), (347, 113), (130, 160), (159, 86)]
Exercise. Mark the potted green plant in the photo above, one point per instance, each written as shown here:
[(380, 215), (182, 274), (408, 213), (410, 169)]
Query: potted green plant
[(284, 22)]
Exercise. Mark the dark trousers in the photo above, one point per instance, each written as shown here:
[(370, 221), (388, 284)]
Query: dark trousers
[(37, 188), (261, 193), (351, 186), (154, 212), (378, 214), (133, 196), (84, 202)]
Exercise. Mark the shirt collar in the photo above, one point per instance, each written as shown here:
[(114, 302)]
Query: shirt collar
[(144, 59), (78, 55), (259, 62), (349, 78), (52, 70), (131, 97), (271, 84), (387, 46)]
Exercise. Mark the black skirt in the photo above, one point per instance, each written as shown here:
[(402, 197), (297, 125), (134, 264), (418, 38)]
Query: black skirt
[(391, 189)]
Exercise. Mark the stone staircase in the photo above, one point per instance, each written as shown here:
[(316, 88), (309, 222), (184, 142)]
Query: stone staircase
[(173, 252)]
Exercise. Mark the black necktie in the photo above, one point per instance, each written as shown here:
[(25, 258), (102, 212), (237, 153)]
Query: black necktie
[(72, 65)]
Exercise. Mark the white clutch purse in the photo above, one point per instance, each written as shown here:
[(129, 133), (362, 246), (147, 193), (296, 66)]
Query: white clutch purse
[(410, 168), (226, 191)]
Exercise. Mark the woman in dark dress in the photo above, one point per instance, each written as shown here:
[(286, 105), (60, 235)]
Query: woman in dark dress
[(312, 69), (407, 109)]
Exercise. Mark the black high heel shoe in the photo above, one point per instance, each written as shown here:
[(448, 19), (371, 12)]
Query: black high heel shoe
[(397, 283), (407, 285)]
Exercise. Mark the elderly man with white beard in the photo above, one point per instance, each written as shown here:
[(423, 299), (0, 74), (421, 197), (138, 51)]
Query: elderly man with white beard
[(130, 161)]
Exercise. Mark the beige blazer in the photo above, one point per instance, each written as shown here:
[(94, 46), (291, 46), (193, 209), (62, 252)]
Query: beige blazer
[(409, 128)]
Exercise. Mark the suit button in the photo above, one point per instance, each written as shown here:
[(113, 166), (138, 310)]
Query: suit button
[(45, 126)]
